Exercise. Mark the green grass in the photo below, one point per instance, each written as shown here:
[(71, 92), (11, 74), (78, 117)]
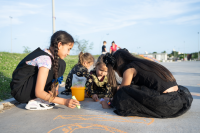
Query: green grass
[(70, 60), (8, 63)]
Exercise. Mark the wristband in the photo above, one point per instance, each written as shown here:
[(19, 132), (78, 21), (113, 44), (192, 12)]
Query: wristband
[(109, 103)]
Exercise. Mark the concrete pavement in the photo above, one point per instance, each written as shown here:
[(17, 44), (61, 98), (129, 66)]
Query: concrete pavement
[(92, 118)]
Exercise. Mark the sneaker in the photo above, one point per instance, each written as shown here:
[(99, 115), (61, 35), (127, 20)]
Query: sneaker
[(37, 104), (46, 102)]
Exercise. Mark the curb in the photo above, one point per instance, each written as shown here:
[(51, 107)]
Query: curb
[(9, 102)]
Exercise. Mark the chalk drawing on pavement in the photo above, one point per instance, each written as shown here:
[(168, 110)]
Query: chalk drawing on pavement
[(195, 94), (70, 128), (109, 118)]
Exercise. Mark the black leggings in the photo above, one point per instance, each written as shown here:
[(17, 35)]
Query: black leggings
[(145, 102)]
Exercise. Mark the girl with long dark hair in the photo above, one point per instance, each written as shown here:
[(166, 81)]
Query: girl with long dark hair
[(35, 80), (148, 89)]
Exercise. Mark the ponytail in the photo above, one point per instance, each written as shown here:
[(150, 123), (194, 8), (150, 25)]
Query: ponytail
[(85, 57), (80, 56)]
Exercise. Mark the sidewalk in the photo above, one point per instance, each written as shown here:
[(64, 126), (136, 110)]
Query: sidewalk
[(92, 118)]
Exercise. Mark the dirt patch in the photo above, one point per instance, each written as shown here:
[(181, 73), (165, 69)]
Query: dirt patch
[(8, 105)]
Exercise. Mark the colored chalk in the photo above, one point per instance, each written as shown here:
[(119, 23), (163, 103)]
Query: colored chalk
[(101, 99), (78, 106)]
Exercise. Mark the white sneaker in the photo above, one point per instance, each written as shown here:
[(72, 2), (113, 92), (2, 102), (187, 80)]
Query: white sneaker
[(38, 104)]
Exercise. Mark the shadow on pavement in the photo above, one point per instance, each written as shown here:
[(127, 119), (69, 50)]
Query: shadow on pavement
[(195, 91)]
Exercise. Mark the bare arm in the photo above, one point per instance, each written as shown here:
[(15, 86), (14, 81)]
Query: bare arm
[(110, 51), (118, 47), (105, 49), (128, 76), (40, 93)]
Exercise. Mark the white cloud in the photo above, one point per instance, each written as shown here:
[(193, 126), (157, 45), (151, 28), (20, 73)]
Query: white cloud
[(122, 15), (16, 10), (193, 19), (90, 16)]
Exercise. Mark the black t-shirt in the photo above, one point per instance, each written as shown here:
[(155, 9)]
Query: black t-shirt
[(149, 79), (103, 48)]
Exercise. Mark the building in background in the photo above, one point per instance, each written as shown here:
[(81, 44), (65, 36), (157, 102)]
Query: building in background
[(157, 56)]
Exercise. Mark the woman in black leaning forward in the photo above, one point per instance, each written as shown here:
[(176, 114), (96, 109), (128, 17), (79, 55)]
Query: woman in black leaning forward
[(154, 93)]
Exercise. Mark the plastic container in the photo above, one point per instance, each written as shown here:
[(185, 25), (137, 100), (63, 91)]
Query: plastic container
[(78, 92)]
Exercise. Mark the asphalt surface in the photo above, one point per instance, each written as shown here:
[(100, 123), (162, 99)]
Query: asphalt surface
[(92, 118)]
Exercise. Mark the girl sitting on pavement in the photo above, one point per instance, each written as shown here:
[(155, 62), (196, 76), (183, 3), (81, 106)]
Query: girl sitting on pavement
[(86, 60), (155, 92), (35, 80), (97, 84)]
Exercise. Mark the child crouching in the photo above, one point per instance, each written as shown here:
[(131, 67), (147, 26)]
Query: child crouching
[(80, 69), (97, 85)]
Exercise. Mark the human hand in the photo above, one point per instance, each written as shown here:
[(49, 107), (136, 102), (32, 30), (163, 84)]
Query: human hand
[(72, 103), (95, 97), (118, 87), (106, 98), (104, 104)]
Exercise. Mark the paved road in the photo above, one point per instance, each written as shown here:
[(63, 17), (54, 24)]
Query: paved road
[(92, 118)]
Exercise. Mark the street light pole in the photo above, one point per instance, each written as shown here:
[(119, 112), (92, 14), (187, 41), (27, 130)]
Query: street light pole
[(184, 50), (138, 50), (11, 31), (53, 15), (198, 45)]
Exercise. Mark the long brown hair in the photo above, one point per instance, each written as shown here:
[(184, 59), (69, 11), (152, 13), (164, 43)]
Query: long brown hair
[(111, 74), (64, 38), (85, 57), (100, 61)]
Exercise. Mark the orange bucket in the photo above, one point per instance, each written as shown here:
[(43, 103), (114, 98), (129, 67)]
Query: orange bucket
[(78, 92)]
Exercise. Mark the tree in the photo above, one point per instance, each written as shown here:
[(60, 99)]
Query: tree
[(181, 56), (154, 52), (164, 52), (26, 49), (82, 45), (175, 53)]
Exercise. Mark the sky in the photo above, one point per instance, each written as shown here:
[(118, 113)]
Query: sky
[(138, 25)]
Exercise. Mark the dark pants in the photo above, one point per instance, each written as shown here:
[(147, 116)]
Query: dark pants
[(145, 102)]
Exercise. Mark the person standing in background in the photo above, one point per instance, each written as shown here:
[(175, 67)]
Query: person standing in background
[(113, 47), (104, 51)]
